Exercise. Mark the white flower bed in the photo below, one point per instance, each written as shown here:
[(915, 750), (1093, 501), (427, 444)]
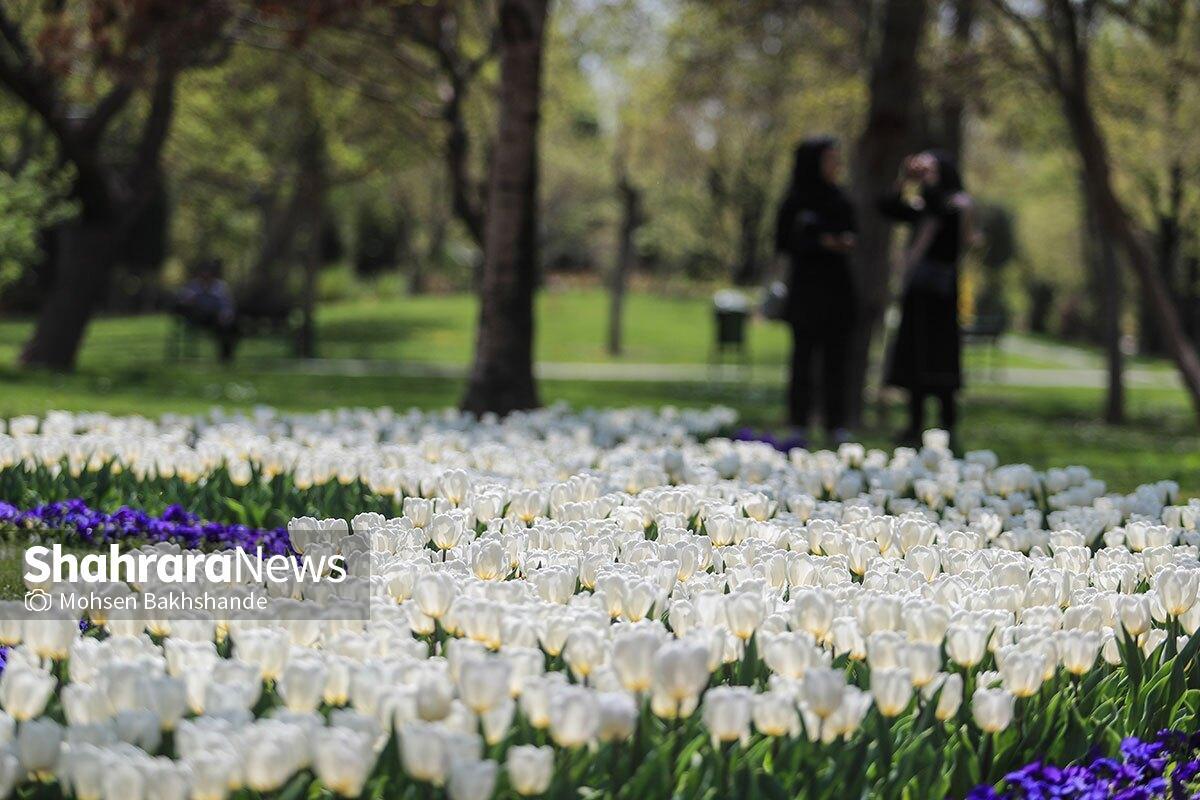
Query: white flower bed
[(560, 582)]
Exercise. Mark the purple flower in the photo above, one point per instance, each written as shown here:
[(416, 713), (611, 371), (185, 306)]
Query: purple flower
[(82, 524), (1139, 772)]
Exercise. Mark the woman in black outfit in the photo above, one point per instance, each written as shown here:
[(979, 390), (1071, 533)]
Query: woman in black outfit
[(815, 232), (927, 352)]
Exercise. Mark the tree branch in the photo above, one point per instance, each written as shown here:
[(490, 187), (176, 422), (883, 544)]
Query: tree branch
[(108, 107), (146, 161), (1033, 38)]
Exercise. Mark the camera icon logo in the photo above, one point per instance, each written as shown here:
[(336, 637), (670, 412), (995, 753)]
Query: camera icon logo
[(37, 601)]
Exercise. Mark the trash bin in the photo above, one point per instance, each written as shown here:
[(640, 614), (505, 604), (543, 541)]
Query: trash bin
[(731, 309)]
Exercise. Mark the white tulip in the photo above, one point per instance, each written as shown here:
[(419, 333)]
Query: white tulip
[(618, 716), (633, 658), (24, 691), (10, 773), (1176, 589), (680, 674), (966, 644), (529, 769), (891, 689), (433, 593), (775, 714), (37, 745), (822, 690), (574, 716), (123, 781), (1078, 650), (472, 780), (483, 682), (992, 709), (423, 752), (343, 760), (950, 695), (727, 713)]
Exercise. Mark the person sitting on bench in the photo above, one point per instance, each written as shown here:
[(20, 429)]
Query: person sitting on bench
[(206, 302)]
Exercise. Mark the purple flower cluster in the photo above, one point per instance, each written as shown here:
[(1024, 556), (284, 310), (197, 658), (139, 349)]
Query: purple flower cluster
[(1165, 768), (86, 525), (781, 443)]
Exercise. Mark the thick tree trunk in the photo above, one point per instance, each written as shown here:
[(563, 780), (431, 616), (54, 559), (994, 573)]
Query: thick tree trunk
[(895, 84), (631, 218), (502, 375), (1117, 226), (84, 252), (112, 199)]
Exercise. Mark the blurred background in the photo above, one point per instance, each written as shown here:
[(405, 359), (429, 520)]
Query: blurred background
[(405, 214)]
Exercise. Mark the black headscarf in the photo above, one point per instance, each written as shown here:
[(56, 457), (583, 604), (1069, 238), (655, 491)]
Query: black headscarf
[(810, 195), (949, 181), (809, 187)]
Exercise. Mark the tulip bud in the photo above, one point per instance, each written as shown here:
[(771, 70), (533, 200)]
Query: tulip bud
[(950, 695), (24, 691), (529, 769), (726, 714), (822, 690), (1078, 650), (472, 780), (618, 716), (633, 659), (574, 717), (892, 689), (1176, 588), (343, 760), (992, 709), (775, 714), (423, 752), (37, 745)]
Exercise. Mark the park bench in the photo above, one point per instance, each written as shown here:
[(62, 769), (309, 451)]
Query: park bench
[(255, 321)]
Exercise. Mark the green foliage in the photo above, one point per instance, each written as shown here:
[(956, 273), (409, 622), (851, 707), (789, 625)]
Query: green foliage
[(31, 200)]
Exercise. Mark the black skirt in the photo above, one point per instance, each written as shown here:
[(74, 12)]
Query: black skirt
[(927, 351)]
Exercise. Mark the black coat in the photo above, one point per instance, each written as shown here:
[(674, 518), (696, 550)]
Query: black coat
[(926, 354), (820, 284)]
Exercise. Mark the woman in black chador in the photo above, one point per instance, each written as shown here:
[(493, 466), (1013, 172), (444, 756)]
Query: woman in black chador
[(815, 231), (926, 354)]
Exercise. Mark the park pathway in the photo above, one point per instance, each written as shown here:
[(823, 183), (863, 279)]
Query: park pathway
[(1080, 369)]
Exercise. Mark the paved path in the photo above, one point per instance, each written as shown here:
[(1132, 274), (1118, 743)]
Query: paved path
[(1075, 376)]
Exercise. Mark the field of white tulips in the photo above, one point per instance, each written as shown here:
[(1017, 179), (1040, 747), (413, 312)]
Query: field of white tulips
[(617, 604)]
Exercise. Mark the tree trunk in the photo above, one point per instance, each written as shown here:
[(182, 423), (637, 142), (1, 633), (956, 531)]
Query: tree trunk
[(1167, 241), (312, 184), (752, 207), (1114, 407), (431, 258), (1101, 257), (895, 84), (502, 375), (954, 102), (631, 219), (84, 252), (1116, 226), (463, 197)]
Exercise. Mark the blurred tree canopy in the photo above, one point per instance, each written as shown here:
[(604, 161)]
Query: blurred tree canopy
[(191, 121)]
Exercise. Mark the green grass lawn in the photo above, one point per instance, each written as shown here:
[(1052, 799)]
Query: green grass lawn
[(571, 327), (122, 370)]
